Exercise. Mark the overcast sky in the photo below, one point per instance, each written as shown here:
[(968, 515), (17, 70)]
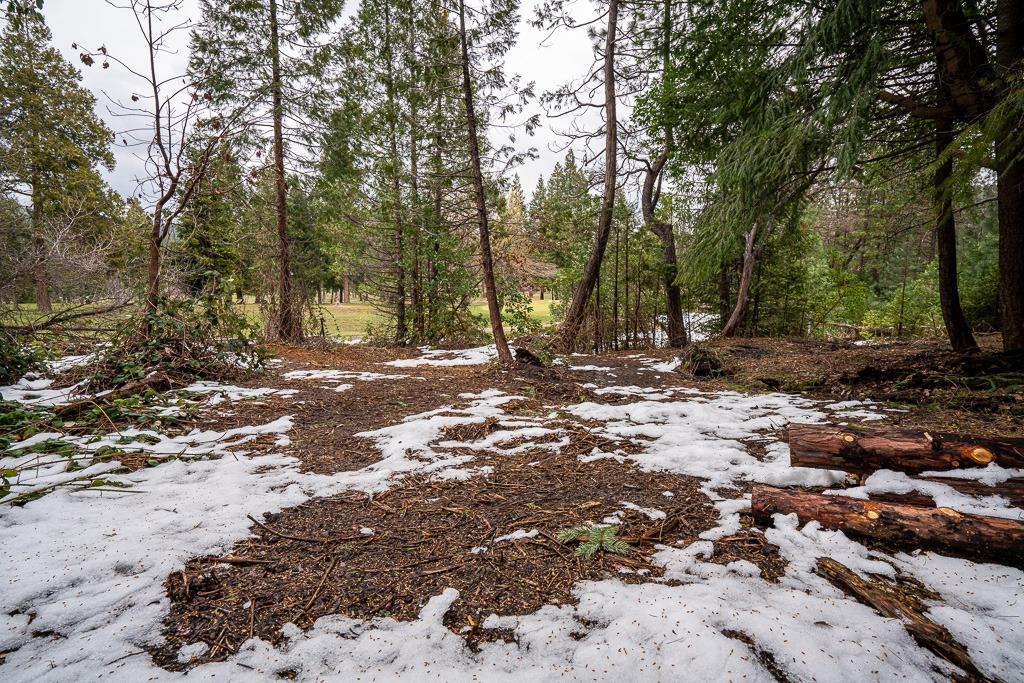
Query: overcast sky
[(93, 23)]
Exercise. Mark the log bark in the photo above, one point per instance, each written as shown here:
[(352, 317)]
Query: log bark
[(1012, 490), (857, 450), (976, 536), (890, 603)]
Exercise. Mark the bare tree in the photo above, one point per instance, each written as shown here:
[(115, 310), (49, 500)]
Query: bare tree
[(169, 121)]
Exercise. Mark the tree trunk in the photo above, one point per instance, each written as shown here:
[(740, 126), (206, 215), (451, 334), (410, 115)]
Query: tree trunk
[(858, 450), (153, 269), (751, 253), (724, 296), (893, 603), (976, 536), (40, 272), (1010, 54), (957, 329), (581, 295), (419, 215), (401, 325), (289, 321), (493, 309)]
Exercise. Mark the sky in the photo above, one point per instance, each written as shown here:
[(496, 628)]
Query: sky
[(92, 23)]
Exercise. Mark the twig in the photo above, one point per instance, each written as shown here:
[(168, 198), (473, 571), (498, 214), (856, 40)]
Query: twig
[(320, 587)]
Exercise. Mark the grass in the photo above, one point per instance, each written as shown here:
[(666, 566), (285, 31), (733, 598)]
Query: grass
[(340, 320), (352, 319)]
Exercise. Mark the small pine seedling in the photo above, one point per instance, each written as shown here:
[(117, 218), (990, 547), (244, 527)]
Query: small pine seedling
[(594, 538)]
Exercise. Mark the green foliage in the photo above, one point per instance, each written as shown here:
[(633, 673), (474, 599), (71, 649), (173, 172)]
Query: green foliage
[(913, 309), (183, 339), (594, 538), (17, 358)]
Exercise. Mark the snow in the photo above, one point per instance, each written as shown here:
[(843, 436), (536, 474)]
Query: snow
[(443, 357), (34, 390), (330, 375), (37, 471), (218, 393), (590, 368)]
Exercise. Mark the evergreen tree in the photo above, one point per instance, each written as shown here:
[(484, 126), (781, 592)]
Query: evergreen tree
[(265, 54), (52, 140)]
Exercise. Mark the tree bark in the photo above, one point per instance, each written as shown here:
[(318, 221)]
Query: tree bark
[(153, 269), (858, 450), (1010, 54), (1012, 490), (491, 291), (577, 311), (957, 329), (891, 603), (751, 253), (39, 270), (976, 536), (401, 324), (289, 321)]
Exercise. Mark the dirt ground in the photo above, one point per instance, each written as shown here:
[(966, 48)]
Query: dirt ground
[(317, 559)]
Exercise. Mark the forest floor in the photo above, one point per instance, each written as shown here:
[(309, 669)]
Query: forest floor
[(359, 513)]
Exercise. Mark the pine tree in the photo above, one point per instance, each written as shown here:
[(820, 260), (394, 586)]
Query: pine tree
[(52, 141), (265, 54)]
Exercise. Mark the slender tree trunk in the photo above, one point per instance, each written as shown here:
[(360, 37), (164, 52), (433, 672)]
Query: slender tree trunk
[(649, 199), (724, 296), (625, 284), (153, 270), (581, 295), (418, 313), (289, 322), (419, 215), (957, 329), (615, 296), (751, 253), (1010, 54), (433, 284), (497, 329), (401, 325), (39, 270)]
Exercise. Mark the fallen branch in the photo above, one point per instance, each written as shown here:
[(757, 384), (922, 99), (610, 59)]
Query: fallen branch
[(926, 632), (154, 382)]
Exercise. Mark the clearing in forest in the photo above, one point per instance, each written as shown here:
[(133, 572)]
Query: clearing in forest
[(361, 514)]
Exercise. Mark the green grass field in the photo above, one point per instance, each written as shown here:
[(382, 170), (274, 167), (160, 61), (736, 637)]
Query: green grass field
[(352, 319), (340, 320)]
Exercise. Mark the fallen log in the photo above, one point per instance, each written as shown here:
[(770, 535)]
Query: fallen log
[(858, 450), (889, 603), (1011, 489), (975, 536)]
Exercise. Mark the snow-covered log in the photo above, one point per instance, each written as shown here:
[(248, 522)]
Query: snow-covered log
[(977, 536), (858, 450)]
